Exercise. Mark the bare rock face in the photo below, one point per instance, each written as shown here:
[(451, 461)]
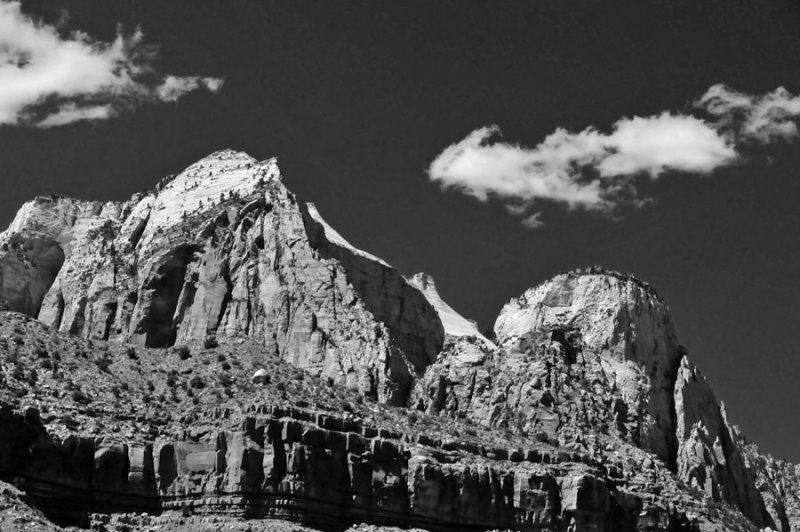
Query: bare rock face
[(328, 472), (221, 249), (620, 431), (455, 325), (595, 351), (626, 333), (709, 455), (778, 483), (595, 331), (32, 249)]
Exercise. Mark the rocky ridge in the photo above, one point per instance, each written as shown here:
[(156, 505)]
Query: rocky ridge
[(581, 411), (221, 249)]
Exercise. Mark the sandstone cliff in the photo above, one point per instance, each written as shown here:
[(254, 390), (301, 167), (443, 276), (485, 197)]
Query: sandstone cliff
[(88, 447), (591, 351), (222, 249), (133, 392)]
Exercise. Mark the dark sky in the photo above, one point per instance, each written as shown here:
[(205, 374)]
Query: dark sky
[(356, 98)]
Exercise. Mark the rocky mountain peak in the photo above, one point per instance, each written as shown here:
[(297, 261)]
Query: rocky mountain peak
[(598, 408), (221, 249), (222, 175), (615, 312), (621, 321)]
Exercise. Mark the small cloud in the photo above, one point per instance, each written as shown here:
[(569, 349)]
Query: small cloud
[(70, 112), (174, 87), (49, 78), (533, 221)]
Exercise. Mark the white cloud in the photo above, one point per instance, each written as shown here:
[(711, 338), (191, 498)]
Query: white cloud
[(762, 119), (49, 79), (70, 112), (597, 171), (175, 87), (588, 170), (533, 221)]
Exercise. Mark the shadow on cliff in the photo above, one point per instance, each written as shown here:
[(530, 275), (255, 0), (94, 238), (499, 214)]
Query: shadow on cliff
[(414, 324)]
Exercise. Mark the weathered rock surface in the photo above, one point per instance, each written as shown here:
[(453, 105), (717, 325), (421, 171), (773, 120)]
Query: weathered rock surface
[(709, 455), (325, 472), (595, 351), (596, 417), (454, 324), (778, 482), (623, 329), (221, 249)]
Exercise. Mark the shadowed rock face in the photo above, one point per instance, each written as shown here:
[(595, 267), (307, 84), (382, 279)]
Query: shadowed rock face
[(223, 249)]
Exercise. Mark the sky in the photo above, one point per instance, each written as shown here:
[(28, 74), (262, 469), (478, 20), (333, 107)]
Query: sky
[(489, 144)]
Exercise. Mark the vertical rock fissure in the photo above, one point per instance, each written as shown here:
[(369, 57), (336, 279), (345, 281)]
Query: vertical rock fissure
[(226, 298)]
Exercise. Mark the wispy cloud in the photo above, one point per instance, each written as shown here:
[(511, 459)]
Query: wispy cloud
[(50, 79), (764, 118), (597, 171)]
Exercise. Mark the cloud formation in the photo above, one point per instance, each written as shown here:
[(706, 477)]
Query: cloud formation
[(49, 79), (765, 118), (597, 171)]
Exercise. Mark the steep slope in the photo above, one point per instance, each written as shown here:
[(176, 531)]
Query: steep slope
[(222, 249), (595, 352), (454, 324)]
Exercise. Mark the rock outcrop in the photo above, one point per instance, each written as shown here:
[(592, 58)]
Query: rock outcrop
[(618, 327), (454, 324), (597, 418), (327, 472), (709, 455), (592, 351), (222, 249)]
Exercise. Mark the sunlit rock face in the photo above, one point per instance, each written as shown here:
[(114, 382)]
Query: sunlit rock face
[(225, 249), (454, 324), (586, 361), (710, 457), (625, 332), (33, 248), (595, 352), (582, 349)]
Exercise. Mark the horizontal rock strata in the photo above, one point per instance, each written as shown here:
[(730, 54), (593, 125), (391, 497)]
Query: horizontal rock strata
[(325, 473)]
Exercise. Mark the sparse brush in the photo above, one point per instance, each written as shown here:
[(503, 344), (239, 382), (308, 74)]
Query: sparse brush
[(210, 342), (81, 398), (103, 362)]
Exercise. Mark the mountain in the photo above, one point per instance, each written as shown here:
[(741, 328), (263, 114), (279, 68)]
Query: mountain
[(213, 354)]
